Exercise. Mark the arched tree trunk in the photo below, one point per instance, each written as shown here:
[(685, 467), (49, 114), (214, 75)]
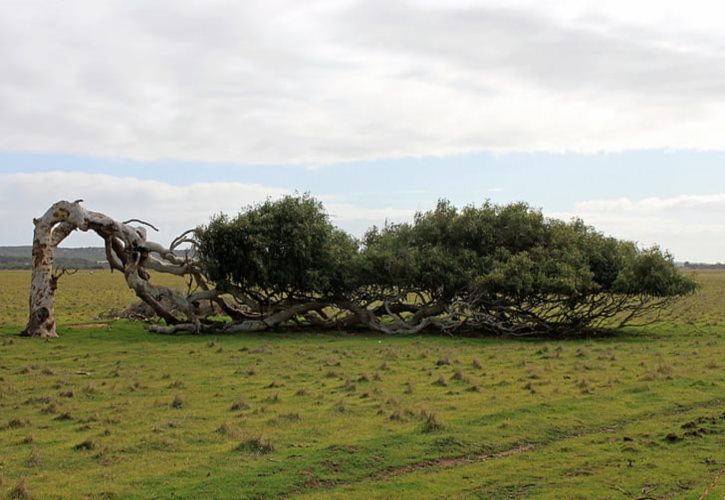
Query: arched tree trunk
[(50, 230), (127, 251)]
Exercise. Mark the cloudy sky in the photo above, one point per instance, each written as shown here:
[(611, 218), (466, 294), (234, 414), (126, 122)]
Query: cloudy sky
[(171, 111)]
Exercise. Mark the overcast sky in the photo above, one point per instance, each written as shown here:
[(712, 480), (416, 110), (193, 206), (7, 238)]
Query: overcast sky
[(171, 111)]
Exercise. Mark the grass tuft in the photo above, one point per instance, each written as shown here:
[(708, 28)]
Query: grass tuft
[(88, 444), (430, 422), (226, 429), (16, 423), (20, 492), (34, 459), (341, 407), (239, 406), (274, 398), (256, 446)]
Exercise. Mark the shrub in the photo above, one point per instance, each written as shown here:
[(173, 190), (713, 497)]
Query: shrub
[(500, 269)]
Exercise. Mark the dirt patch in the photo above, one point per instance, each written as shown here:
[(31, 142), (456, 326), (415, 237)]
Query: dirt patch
[(450, 462), (88, 325)]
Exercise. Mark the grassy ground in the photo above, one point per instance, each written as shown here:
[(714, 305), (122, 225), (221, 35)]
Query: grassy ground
[(116, 411), (80, 297)]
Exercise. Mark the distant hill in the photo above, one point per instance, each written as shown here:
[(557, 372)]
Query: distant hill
[(702, 265), (19, 257)]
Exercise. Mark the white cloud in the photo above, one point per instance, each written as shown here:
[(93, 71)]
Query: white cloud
[(690, 226), (656, 204), (320, 81), (358, 220), (171, 208)]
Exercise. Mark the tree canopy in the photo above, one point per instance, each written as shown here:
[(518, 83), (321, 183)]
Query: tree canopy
[(502, 269), (286, 247)]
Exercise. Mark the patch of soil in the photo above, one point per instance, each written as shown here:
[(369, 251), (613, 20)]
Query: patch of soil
[(451, 462)]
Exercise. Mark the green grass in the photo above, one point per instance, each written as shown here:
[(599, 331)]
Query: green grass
[(81, 297), (116, 411)]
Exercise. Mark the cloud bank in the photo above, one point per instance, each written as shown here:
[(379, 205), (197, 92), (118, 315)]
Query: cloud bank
[(171, 208), (325, 81), (688, 225)]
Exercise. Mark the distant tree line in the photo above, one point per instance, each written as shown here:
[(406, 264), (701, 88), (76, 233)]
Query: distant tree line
[(701, 265), (20, 257), (18, 263)]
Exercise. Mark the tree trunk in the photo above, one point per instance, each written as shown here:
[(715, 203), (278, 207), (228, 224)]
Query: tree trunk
[(127, 250), (49, 231)]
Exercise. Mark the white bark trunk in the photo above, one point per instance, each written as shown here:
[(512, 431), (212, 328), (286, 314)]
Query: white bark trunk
[(127, 250), (41, 321)]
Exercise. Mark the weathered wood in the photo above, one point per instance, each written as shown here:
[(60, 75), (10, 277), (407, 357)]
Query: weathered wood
[(127, 250), (50, 230)]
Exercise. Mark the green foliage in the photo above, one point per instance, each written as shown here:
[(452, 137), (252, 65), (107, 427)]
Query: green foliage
[(515, 265), (507, 268), (286, 246), (514, 251)]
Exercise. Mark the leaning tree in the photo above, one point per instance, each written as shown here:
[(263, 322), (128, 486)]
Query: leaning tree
[(495, 269), (127, 250)]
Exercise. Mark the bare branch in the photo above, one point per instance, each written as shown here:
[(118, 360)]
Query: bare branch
[(141, 222)]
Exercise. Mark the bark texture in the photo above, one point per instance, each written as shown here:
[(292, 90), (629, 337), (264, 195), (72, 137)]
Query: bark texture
[(127, 250)]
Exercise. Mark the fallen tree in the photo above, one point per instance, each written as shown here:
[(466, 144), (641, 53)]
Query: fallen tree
[(494, 269), (127, 250)]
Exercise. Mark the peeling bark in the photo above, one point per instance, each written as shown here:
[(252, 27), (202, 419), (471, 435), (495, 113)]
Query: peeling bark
[(41, 320), (127, 250)]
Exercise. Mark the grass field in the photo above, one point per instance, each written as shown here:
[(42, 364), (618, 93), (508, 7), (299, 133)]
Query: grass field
[(115, 411), (81, 297)]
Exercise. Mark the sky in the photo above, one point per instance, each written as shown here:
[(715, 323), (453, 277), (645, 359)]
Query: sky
[(172, 111)]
